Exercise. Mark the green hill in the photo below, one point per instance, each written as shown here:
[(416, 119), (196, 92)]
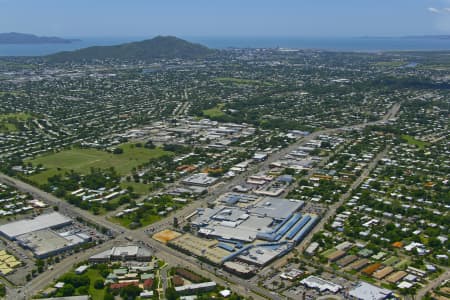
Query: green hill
[(160, 47)]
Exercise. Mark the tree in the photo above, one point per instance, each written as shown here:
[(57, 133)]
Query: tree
[(118, 151), (108, 296), (83, 290), (130, 292), (434, 242), (171, 293), (99, 284), (67, 290), (150, 145)]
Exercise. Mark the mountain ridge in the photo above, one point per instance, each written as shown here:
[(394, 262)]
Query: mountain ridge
[(159, 47)]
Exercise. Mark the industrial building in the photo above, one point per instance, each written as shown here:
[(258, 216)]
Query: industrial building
[(122, 253), (321, 284), (48, 221), (251, 230), (200, 179), (46, 242), (268, 219), (262, 254), (196, 288), (40, 235), (367, 291)]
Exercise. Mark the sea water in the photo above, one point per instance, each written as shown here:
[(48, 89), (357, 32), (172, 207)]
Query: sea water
[(366, 44)]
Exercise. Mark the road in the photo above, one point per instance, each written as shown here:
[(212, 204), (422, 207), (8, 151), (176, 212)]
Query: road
[(433, 284), (161, 251), (45, 278), (332, 209), (169, 255)]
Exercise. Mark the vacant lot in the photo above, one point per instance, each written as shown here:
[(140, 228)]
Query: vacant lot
[(82, 160)]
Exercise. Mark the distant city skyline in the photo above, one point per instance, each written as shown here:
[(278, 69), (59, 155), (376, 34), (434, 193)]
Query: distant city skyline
[(139, 18)]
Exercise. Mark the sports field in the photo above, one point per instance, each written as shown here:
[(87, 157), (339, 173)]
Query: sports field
[(82, 160)]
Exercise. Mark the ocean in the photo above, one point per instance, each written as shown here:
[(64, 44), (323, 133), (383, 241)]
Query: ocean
[(332, 44)]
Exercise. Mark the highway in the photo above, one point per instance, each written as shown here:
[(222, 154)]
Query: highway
[(167, 254)]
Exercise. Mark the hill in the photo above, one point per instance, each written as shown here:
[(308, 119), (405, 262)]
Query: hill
[(160, 47), (24, 38)]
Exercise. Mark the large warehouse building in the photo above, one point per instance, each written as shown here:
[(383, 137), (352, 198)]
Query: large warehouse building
[(44, 235), (122, 253), (48, 221), (269, 219)]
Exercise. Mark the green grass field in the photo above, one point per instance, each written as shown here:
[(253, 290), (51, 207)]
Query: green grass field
[(392, 64), (214, 112), (402, 264), (412, 141), (138, 188), (126, 221), (15, 93), (328, 252), (391, 260), (93, 276), (82, 160), (6, 126), (240, 80)]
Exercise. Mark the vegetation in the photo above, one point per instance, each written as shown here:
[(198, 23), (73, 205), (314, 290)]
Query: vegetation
[(161, 47), (214, 112), (81, 160), (13, 122), (412, 141)]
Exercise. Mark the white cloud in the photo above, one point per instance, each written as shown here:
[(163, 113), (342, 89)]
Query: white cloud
[(434, 10), (439, 11)]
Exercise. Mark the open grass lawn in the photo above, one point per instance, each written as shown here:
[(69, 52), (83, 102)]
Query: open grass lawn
[(241, 80), (6, 126), (126, 220), (93, 276), (138, 188), (402, 264), (412, 141), (82, 160), (328, 252), (391, 260), (18, 116), (15, 93), (214, 112), (390, 63)]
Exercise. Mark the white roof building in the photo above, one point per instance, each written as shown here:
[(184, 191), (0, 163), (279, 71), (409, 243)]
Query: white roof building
[(366, 291), (51, 220)]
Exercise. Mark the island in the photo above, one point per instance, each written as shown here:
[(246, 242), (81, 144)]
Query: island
[(24, 38)]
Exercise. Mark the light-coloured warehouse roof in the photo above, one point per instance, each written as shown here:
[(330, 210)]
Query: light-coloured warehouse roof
[(13, 229)]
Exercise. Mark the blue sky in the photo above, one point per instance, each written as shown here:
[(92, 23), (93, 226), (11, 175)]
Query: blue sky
[(226, 17)]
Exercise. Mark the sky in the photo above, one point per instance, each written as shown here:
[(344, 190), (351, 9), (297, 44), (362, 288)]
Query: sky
[(231, 18)]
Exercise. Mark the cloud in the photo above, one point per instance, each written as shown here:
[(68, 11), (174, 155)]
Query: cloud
[(439, 11), (434, 10)]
